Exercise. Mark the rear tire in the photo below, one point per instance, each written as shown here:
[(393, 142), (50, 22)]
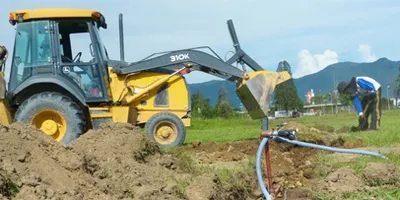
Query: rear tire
[(55, 114), (166, 129)]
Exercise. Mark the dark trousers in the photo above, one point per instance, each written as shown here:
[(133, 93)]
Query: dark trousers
[(373, 101)]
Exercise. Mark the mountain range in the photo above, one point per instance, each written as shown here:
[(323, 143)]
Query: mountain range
[(382, 70)]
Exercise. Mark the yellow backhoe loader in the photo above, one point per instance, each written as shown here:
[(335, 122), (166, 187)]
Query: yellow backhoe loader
[(63, 82)]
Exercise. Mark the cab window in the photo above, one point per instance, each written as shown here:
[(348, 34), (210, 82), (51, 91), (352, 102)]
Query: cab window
[(33, 51), (78, 58)]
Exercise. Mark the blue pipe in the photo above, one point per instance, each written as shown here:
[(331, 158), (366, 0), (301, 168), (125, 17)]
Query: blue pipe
[(326, 148), (258, 168), (304, 144)]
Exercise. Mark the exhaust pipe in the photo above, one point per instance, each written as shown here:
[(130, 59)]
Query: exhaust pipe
[(240, 56), (233, 35), (121, 38)]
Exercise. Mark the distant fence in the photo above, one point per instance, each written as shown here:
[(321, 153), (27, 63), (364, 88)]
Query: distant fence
[(320, 109)]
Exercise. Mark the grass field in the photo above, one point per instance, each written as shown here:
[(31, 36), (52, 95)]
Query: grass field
[(241, 128)]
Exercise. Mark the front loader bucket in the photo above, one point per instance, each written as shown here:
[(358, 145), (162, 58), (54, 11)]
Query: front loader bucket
[(255, 93)]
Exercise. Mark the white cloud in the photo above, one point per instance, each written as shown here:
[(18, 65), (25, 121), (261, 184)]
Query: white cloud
[(311, 63), (366, 53)]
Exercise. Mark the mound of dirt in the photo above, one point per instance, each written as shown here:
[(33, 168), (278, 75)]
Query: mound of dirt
[(118, 161), (344, 129), (292, 167), (323, 135), (377, 174), (346, 180), (114, 162), (207, 183), (342, 180), (210, 153), (300, 194)]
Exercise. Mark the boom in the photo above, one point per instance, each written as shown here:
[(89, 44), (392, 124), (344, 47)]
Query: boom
[(198, 60), (194, 58), (254, 89)]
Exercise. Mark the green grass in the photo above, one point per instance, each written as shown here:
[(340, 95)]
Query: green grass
[(241, 128), (392, 194), (238, 181), (388, 134), (222, 130), (359, 163), (182, 184)]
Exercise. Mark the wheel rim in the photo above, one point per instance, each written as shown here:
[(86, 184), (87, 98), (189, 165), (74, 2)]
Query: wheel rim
[(165, 132), (51, 122)]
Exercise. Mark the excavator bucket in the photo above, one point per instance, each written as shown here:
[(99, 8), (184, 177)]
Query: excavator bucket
[(256, 91)]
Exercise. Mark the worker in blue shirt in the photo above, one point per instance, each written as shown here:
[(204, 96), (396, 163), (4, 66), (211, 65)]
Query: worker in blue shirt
[(370, 91)]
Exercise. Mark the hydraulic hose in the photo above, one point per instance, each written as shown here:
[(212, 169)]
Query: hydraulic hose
[(258, 168), (333, 149)]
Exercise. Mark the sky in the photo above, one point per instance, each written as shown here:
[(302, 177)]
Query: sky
[(310, 35)]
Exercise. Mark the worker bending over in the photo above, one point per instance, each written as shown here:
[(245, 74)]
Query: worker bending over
[(370, 92)]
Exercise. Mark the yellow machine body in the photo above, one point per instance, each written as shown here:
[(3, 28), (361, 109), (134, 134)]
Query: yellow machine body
[(5, 111), (46, 13), (139, 110)]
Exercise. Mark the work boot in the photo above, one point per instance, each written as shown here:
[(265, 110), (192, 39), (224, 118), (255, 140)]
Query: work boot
[(362, 123), (373, 125)]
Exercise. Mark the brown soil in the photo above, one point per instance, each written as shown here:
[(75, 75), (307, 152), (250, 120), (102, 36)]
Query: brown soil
[(340, 181), (116, 162), (377, 174), (119, 162), (345, 180), (202, 188)]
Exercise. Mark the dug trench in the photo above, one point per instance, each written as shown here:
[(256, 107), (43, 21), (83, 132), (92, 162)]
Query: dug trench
[(119, 162), (297, 172)]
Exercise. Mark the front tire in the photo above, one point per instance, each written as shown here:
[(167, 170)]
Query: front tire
[(166, 129), (53, 113)]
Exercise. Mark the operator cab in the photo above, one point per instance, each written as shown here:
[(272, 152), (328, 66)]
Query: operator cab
[(63, 47)]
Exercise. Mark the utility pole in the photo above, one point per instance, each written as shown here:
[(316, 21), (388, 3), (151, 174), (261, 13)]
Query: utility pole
[(387, 95)]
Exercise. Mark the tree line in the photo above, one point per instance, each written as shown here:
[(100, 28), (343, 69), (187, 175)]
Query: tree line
[(285, 97), (201, 107)]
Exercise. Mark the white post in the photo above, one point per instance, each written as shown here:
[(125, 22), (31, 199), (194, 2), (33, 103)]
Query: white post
[(387, 96)]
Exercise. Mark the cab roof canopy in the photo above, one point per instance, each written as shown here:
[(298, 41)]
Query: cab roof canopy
[(53, 13)]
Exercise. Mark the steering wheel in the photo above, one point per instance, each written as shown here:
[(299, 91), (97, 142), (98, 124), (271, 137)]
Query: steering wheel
[(78, 57)]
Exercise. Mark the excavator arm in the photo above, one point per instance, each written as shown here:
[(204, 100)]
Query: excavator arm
[(197, 60), (193, 58), (253, 88)]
